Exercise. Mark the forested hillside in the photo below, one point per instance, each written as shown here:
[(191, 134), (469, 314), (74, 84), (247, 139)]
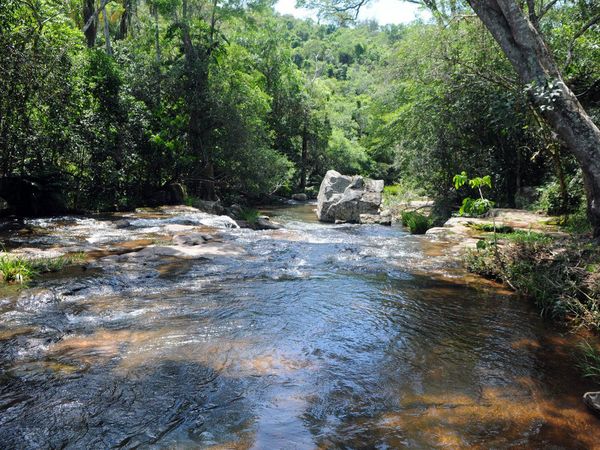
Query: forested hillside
[(114, 102)]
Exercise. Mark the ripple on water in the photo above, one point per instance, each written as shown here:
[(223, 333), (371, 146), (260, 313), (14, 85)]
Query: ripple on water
[(315, 336)]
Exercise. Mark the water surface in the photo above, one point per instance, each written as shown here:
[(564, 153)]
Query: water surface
[(313, 336)]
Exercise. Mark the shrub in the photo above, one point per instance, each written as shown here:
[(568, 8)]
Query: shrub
[(470, 206), (415, 222), (249, 215), (402, 192), (551, 199)]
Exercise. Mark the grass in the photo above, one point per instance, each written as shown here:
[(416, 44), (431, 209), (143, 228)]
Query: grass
[(17, 269), (525, 237), (560, 275), (415, 222), (577, 223), (589, 361), (508, 233), (490, 228), (249, 215)]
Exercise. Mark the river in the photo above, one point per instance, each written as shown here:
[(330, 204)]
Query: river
[(312, 336)]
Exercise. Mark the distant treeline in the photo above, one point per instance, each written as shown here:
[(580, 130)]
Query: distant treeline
[(116, 101)]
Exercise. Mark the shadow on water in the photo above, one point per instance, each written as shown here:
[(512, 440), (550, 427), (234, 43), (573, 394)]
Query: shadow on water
[(316, 337)]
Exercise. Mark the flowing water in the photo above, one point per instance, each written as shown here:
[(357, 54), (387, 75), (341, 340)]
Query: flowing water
[(312, 336)]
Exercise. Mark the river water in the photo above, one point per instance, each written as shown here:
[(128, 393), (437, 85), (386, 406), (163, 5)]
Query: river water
[(312, 336)]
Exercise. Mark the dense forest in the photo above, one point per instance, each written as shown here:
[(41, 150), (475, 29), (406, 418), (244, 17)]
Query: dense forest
[(115, 102)]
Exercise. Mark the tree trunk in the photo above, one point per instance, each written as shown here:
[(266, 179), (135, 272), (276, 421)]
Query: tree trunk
[(304, 159), (90, 33), (560, 108), (125, 22), (106, 33)]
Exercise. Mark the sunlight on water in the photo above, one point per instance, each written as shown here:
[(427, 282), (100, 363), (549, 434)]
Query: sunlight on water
[(311, 336)]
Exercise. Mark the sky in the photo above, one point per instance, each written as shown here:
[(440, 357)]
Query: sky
[(383, 11)]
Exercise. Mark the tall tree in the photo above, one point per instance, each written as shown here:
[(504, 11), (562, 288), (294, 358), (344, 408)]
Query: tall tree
[(517, 34)]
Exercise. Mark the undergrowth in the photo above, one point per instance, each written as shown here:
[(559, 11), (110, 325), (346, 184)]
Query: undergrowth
[(590, 361), (415, 222), (401, 193)]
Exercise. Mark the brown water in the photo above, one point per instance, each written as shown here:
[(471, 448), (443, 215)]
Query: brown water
[(315, 336)]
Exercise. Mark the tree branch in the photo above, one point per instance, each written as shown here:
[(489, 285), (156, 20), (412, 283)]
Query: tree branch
[(94, 16), (594, 20), (546, 8)]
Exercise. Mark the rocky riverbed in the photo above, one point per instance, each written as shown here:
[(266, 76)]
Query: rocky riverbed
[(181, 330)]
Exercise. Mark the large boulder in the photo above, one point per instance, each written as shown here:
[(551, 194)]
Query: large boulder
[(344, 198)]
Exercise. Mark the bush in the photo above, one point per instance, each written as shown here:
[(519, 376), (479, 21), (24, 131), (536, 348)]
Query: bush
[(551, 199), (249, 215), (402, 192), (415, 222)]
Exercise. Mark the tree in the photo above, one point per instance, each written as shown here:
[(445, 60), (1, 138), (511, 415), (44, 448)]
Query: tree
[(518, 36)]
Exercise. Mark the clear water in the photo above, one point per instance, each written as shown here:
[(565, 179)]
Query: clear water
[(315, 336)]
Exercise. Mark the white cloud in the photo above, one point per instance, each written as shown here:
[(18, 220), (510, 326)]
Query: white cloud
[(289, 7), (383, 11), (392, 12)]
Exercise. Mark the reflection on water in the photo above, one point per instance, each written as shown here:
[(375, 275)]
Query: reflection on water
[(315, 336)]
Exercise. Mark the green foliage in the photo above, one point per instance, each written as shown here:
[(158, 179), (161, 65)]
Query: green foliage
[(257, 103), (577, 223), (474, 207), (490, 227), (525, 237), (249, 215), (16, 270), (554, 202), (416, 223), (402, 192)]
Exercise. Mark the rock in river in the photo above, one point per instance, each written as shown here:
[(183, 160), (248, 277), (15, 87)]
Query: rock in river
[(592, 401), (301, 197), (344, 198)]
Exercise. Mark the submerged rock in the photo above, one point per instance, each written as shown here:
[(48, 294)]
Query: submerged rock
[(300, 197), (344, 198), (261, 223), (191, 238), (378, 219)]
